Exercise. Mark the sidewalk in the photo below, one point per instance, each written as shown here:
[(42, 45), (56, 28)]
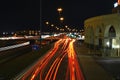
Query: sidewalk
[(91, 69)]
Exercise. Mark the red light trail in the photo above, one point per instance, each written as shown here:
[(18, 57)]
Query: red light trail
[(73, 65), (50, 66)]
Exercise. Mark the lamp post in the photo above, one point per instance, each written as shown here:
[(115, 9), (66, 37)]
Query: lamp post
[(60, 16), (40, 23), (47, 24)]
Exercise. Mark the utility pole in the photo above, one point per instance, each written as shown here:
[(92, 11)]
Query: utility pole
[(40, 23)]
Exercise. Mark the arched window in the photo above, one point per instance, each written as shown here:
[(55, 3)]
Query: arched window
[(100, 39), (100, 30), (112, 32)]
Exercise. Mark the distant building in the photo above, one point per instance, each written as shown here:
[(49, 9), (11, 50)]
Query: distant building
[(28, 32), (103, 33)]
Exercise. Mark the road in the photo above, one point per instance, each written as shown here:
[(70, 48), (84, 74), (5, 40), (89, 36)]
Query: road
[(60, 63)]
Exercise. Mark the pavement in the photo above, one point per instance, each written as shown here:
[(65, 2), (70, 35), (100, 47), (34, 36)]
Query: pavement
[(92, 70)]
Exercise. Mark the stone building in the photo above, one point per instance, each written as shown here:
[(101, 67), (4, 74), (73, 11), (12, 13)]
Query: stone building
[(103, 33)]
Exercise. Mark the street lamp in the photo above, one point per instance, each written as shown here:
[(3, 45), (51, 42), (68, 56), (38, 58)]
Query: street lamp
[(47, 23), (52, 25), (59, 10), (61, 19)]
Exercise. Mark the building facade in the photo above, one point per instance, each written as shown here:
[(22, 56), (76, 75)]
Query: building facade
[(103, 33)]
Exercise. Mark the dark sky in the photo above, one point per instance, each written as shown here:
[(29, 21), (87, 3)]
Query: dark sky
[(25, 14), (75, 11), (19, 14)]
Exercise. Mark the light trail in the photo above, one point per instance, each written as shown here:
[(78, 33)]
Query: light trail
[(73, 66), (14, 46), (55, 66), (51, 71), (49, 67), (42, 63)]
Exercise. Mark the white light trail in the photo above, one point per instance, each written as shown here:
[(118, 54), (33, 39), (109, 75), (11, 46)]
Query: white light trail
[(14, 46)]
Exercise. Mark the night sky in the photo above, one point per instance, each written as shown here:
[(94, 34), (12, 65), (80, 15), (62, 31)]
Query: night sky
[(18, 15), (25, 14), (75, 11)]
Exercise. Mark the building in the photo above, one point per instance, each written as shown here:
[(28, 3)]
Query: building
[(103, 33)]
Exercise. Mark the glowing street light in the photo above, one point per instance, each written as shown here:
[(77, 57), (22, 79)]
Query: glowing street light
[(52, 25), (59, 10), (61, 18), (66, 26), (47, 23)]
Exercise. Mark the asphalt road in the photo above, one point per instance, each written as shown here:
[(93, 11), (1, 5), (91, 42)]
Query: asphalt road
[(60, 63)]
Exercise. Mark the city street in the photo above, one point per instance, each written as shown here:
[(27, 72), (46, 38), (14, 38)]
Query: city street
[(60, 40), (60, 63)]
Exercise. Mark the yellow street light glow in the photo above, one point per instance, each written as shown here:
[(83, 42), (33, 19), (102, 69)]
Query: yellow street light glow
[(61, 19), (66, 26), (47, 22), (59, 9), (52, 25)]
